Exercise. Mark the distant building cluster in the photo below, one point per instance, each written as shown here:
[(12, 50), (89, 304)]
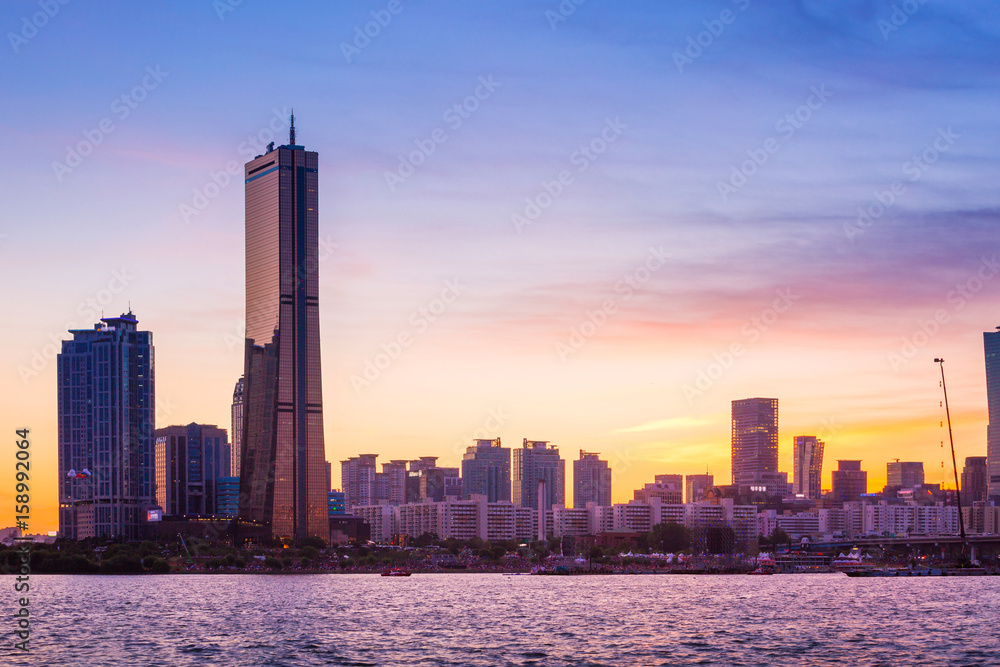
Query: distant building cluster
[(119, 474)]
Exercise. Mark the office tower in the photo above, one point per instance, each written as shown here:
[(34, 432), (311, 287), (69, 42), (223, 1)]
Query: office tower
[(282, 474), (591, 481), (227, 497), (808, 466), (534, 461), (106, 412), (357, 478), (850, 482), (236, 439), (329, 476), (991, 344), (974, 480), (904, 474), (668, 488), (696, 485), (754, 439), (189, 462), (486, 471)]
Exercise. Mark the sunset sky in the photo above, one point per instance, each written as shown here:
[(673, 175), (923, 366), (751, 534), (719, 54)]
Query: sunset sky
[(595, 227)]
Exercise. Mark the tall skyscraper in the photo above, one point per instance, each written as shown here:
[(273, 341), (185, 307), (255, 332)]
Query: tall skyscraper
[(237, 429), (106, 419), (486, 471), (537, 460), (974, 478), (591, 480), (991, 344), (754, 439), (696, 485), (904, 474), (807, 467), (282, 476), (190, 460), (849, 481)]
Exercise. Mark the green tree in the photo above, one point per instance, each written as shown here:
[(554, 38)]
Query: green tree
[(669, 537)]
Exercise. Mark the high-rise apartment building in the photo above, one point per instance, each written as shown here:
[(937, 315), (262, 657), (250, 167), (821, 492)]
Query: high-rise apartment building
[(850, 482), (390, 484), (991, 345), (696, 485), (754, 439), (904, 474), (282, 476), (974, 480), (105, 420), (591, 481), (190, 460), (537, 460), (486, 470), (357, 478), (807, 467), (236, 440)]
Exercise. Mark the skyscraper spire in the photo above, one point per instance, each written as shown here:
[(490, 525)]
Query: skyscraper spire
[(291, 130)]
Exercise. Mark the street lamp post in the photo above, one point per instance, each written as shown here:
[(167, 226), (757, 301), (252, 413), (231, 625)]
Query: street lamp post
[(954, 465)]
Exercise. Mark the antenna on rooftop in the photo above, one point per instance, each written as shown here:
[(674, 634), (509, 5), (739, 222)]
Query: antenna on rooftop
[(291, 130)]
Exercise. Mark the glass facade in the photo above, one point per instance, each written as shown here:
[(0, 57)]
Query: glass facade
[(188, 461), (237, 429), (106, 412), (807, 467), (754, 439), (283, 471), (991, 345)]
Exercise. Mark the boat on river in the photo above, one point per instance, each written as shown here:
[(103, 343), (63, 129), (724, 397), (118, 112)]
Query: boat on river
[(396, 572)]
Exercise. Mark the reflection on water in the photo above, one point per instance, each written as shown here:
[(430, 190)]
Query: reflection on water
[(490, 619)]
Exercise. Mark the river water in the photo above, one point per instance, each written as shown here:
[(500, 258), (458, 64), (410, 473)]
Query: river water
[(492, 619)]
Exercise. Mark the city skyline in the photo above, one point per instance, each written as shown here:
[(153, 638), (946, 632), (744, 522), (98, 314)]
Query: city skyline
[(699, 247)]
